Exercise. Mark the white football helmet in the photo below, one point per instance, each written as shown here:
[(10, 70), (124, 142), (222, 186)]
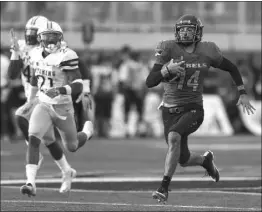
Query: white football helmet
[(50, 36), (31, 28)]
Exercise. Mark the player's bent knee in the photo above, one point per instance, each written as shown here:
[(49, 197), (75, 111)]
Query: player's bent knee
[(71, 147), (173, 137)]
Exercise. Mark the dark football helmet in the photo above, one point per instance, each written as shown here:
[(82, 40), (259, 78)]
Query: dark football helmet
[(188, 30)]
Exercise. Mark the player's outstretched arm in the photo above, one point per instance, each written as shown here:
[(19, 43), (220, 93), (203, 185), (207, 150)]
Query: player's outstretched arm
[(228, 66), (16, 63), (14, 68)]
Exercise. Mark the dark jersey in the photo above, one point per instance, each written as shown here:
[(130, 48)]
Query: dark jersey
[(189, 88)]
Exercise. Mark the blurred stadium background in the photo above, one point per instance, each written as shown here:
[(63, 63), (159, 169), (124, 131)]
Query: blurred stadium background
[(100, 31), (105, 34)]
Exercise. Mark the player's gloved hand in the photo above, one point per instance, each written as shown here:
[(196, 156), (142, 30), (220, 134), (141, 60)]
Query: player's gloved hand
[(14, 41), (175, 68), (244, 101), (52, 92), (86, 97)]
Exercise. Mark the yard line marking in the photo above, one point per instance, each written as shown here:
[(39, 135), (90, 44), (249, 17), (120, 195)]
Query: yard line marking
[(127, 204), (182, 191), (129, 179)]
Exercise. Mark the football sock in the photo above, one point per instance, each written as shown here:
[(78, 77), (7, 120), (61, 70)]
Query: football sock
[(23, 125), (165, 182), (88, 129), (63, 164), (55, 150), (31, 171), (40, 155)]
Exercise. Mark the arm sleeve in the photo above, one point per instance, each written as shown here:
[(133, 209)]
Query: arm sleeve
[(14, 69), (215, 54), (70, 60), (155, 76), (228, 66), (163, 56), (75, 82)]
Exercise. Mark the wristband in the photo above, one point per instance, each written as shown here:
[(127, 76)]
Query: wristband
[(68, 89), (165, 72), (86, 86), (243, 91), (168, 71)]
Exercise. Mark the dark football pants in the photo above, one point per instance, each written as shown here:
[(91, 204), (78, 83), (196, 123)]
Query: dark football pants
[(184, 123)]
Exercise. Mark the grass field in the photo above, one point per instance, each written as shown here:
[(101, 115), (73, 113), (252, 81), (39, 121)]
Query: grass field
[(120, 175)]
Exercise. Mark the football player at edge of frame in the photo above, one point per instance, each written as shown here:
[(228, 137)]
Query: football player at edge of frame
[(57, 76), (19, 63), (181, 65)]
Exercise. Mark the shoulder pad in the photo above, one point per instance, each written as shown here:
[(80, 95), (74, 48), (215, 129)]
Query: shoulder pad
[(163, 51), (70, 59), (165, 44), (211, 50)]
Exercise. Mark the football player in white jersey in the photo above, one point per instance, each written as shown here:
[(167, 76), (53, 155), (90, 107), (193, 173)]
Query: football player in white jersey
[(21, 53), (58, 79)]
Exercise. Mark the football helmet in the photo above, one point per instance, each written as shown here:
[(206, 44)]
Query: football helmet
[(50, 36), (31, 28), (188, 30)]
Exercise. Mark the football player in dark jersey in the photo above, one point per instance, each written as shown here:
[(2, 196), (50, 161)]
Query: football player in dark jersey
[(181, 65)]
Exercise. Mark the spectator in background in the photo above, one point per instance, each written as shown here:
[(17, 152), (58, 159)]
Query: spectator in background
[(5, 91), (104, 89), (132, 76)]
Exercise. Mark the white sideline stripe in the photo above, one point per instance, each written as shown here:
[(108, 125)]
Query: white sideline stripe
[(127, 204), (129, 179), (192, 191), (229, 147)]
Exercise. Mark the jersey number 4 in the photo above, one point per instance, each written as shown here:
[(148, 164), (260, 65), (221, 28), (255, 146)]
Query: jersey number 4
[(191, 82), (27, 73)]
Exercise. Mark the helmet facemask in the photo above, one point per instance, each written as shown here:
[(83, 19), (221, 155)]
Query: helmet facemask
[(31, 36), (51, 41), (187, 34)]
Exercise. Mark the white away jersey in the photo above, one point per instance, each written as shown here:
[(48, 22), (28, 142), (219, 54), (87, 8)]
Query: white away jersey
[(27, 72), (50, 72)]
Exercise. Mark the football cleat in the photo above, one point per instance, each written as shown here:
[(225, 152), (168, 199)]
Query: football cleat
[(67, 180), (161, 195), (28, 189), (209, 165)]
